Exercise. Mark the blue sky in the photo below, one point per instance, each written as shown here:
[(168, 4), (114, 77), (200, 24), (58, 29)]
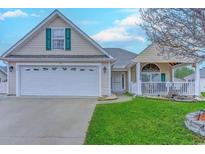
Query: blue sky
[(109, 27)]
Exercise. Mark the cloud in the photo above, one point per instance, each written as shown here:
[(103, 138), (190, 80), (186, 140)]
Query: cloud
[(116, 34), (89, 22), (12, 14), (34, 15), (131, 20), (122, 31), (16, 13)]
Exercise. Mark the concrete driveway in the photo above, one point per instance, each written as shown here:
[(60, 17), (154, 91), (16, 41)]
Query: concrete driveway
[(44, 120)]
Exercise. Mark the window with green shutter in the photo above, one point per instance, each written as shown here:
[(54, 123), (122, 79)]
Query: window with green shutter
[(163, 77), (67, 39), (48, 38)]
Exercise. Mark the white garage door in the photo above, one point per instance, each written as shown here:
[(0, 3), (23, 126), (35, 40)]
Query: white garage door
[(59, 80)]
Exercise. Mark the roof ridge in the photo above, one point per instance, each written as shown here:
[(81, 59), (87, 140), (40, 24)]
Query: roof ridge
[(124, 50)]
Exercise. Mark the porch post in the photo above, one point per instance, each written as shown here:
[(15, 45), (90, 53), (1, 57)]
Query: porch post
[(138, 72), (197, 80), (172, 74), (129, 79)]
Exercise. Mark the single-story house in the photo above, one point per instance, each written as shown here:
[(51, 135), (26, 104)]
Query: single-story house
[(3, 73), (179, 80), (191, 78), (57, 58)]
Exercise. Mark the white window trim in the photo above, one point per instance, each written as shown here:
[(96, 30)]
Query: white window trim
[(53, 28)]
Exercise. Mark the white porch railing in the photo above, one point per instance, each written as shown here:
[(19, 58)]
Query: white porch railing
[(165, 88), (3, 87)]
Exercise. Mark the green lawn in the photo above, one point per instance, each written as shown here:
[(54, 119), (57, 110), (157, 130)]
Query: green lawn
[(142, 121)]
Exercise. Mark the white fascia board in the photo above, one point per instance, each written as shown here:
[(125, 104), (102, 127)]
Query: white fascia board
[(58, 60)]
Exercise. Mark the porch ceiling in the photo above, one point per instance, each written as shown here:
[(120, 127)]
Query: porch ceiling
[(174, 64)]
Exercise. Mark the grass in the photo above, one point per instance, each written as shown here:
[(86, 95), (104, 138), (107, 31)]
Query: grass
[(203, 94), (142, 121), (128, 94)]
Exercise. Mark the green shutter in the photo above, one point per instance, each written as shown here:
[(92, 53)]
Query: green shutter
[(48, 38), (67, 39), (163, 77)]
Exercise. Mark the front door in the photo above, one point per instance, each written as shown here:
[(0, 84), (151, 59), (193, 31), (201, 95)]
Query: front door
[(118, 81)]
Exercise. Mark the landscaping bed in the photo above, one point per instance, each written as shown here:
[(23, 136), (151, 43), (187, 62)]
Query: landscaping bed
[(143, 121)]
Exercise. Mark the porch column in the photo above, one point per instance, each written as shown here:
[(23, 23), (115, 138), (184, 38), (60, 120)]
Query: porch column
[(172, 74), (197, 80), (138, 72), (129, 79)]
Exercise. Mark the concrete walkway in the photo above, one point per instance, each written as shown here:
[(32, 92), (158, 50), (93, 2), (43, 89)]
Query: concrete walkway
[(120, 99)]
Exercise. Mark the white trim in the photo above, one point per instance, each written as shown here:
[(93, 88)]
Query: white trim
[(8, 78), (55, 12), (129, 79), (138, 79), (64, 60), (109, 78), (78, 64), (57, 28), (59, 64), (100, 79), (173, 74), (18, 80)]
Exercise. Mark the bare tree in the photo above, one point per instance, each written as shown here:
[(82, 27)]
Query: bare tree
[(177, 31)]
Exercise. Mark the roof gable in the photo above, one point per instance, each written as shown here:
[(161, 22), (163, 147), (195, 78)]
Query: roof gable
[(53, 15)]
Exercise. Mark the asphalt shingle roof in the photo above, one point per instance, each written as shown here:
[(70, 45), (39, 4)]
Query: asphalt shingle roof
[(4, 68), (123, 57)]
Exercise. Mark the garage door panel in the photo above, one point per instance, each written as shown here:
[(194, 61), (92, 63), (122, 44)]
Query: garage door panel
[(59, 80)]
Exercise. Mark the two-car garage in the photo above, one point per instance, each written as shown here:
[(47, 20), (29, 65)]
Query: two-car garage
[(58, 80)]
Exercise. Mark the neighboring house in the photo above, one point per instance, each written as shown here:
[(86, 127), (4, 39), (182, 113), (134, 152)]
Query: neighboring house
[(57, 58), (119, 69), (191, 78), (179, 80), (3, 73)]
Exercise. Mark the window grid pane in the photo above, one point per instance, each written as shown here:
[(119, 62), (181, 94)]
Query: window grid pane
[(58, 44), (58, 33), (58, 36)]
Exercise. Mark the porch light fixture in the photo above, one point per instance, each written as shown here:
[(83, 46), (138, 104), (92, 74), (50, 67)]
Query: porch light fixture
[(11, 68), (104, 69)]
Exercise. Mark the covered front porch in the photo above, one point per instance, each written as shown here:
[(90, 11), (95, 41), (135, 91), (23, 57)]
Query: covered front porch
[(157, 79), (153, 74)]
